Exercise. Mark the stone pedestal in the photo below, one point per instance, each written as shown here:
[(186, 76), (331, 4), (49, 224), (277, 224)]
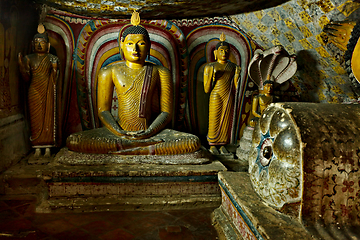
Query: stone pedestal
[(242, 214), (132, 183)]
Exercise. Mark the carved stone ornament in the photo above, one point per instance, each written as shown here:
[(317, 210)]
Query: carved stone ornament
[(304, 162)]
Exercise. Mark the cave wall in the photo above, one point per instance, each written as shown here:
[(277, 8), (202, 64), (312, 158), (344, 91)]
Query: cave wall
[(298, 26), (18, 20)]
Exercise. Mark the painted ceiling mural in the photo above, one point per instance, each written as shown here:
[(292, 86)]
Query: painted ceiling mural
[(159, 9)]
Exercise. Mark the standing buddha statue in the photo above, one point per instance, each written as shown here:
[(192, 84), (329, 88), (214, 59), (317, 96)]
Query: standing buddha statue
[(145, 95), (42, 70), (221, 80)]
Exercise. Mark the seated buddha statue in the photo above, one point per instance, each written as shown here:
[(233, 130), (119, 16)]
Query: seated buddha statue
[(221, 80), (261, 101), (272, 66), (145, 95)]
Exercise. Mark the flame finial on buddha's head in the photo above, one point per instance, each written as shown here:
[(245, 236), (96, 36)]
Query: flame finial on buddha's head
[(222, 37), (135, 18)]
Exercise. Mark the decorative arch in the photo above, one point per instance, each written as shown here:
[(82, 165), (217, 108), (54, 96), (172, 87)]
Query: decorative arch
[(62, 40)]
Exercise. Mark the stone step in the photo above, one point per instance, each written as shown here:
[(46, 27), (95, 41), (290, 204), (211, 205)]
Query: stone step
[(128, 203), (131, 187)]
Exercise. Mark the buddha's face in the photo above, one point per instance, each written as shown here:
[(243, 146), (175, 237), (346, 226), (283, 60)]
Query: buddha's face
[(135, 48), (41, 45), (222, 53), (268, 88)]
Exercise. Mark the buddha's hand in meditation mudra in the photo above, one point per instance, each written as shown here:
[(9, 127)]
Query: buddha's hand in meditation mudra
[(145, 94)]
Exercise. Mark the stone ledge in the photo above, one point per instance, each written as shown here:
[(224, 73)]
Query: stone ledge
[(67, 157), (130, 187), (130, 203), (251, 218)]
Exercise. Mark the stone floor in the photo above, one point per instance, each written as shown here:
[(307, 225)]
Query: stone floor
[(18, 220)]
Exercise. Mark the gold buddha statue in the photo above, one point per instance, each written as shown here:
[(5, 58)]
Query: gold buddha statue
[(221, 80), (273, 65), (145, 95), (261, 101), (42, 70)]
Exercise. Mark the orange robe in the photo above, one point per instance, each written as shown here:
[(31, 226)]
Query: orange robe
[(42, 104)]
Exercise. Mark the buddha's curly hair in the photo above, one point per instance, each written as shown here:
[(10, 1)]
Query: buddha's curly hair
[(268, 82), (41, 35), (220, 44), (135, 30)]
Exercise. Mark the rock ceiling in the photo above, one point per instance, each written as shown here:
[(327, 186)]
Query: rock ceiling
[(159, 9)]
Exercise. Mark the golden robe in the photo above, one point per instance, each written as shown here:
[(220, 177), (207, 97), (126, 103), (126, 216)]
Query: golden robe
[(132, 118), (221, 105)]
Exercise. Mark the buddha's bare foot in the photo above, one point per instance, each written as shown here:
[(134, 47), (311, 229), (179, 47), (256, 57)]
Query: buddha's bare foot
[(223, 150), (213, 150), (37, 152), (47, 152)]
